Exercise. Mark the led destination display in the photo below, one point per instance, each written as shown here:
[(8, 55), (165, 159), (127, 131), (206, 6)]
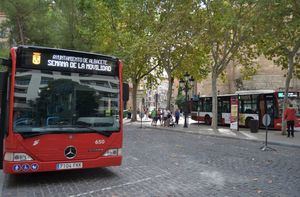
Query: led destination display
[(66, 60)]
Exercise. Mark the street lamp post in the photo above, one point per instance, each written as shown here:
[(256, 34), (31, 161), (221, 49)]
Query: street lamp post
[(186, 84)]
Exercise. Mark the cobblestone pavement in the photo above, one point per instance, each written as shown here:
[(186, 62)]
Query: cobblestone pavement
[(166, 163)]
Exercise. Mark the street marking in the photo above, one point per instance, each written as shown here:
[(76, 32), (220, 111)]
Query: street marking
[(118, 186), (248, 135), (226, 132), (134, 158)]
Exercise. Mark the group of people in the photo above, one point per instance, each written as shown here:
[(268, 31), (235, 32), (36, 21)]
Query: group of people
[(165, 117)]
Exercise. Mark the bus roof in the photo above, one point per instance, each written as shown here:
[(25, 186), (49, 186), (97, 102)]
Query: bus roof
[(244, 92), (249, 92), (217, 95), (113, 58)]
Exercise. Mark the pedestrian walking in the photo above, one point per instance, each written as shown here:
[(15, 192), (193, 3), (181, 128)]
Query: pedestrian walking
[(165, 117), (154, 117), (159, 114), (290, 117), (129, 113), (177, 115)]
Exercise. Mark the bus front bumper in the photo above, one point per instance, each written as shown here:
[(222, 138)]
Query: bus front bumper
[(38, 166)]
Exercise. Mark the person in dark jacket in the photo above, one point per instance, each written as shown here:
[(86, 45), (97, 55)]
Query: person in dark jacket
[(177, 115), (290, 117)]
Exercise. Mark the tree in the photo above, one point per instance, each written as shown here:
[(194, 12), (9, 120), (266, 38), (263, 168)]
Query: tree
[(279, 37), (131, 26), (45, 23), (227, 29), (173, 37), (26, 19)]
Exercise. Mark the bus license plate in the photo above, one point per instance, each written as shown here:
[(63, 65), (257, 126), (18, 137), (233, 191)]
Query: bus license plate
[(62, 166)]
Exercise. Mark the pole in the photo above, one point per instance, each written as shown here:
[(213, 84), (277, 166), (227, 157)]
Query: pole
[(267, 136), (142, 110), (156, 112), (238, 113), (198, 111), (266, 121), (156, 100), (186, 107), (141, 116)]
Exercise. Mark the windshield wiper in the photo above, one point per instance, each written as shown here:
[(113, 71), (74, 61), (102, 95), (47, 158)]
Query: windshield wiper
[(105, 133), (28, 134)]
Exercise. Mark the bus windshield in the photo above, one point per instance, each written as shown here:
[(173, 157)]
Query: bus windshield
[(55, 102)]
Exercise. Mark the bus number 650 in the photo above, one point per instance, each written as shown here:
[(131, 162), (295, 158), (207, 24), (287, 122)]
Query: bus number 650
[(100, 142)]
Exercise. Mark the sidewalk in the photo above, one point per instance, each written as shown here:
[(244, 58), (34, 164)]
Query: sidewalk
[(274, 136)]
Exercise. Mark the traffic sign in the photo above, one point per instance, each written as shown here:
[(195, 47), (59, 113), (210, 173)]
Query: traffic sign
[(266, 120)]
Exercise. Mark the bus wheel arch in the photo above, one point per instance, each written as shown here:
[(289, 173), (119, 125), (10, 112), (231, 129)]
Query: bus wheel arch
[(207, 119), (247, 121)]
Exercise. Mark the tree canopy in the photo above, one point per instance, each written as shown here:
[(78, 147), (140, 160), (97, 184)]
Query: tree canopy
[(201, 37)]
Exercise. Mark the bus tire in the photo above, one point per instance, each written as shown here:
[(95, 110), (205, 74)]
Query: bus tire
[(207, 120), (247, 122)]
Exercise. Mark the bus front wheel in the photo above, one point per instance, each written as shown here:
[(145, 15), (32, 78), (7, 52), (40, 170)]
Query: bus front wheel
[(247, 122)]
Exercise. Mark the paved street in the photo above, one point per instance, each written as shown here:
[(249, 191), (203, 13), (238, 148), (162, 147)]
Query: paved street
[(166, 163)]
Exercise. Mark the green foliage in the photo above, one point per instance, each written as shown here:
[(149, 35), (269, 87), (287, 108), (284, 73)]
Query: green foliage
[(278, 30), (4, 53), (228, 32), (44, 23), (248, 71), (180, 101)]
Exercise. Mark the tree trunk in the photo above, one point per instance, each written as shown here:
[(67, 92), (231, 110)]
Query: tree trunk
[(21, 34), (286, 90), (214, 122), (134, 107), (169, 94)]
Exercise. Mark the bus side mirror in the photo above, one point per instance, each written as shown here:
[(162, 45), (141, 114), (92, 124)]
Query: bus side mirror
[(125, 92)]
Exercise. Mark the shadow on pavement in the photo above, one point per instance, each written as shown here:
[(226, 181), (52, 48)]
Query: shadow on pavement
[(32, 179)]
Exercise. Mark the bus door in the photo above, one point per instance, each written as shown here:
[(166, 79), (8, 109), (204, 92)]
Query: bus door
[(270, 107), (220, 105)]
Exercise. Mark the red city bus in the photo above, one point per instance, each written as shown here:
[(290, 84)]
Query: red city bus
[(253, 104), (60, 110)]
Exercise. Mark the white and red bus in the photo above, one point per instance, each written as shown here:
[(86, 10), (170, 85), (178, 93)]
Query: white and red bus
[(252, 104), (60, 109)]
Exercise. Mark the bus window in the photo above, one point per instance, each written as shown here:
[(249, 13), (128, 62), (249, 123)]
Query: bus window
[(248, 104), (63, 102), (295, 101), (195, 106), (226, 107), (207, 105)]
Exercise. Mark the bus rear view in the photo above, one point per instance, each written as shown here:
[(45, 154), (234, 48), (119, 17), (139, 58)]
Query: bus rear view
[(62, 110)]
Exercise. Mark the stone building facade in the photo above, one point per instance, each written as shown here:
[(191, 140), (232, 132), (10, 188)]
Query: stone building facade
[(268, 76)]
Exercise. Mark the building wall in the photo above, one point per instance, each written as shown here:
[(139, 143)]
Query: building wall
[(268, 76)]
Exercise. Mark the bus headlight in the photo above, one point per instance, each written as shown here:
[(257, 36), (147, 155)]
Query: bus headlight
[(113, 152), (17, 157)]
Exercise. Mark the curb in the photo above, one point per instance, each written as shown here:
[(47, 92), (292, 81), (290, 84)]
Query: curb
[(1, 181), (229, 137)]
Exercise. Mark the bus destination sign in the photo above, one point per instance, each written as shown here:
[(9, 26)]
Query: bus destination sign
[(67, 61), (290, 94)]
